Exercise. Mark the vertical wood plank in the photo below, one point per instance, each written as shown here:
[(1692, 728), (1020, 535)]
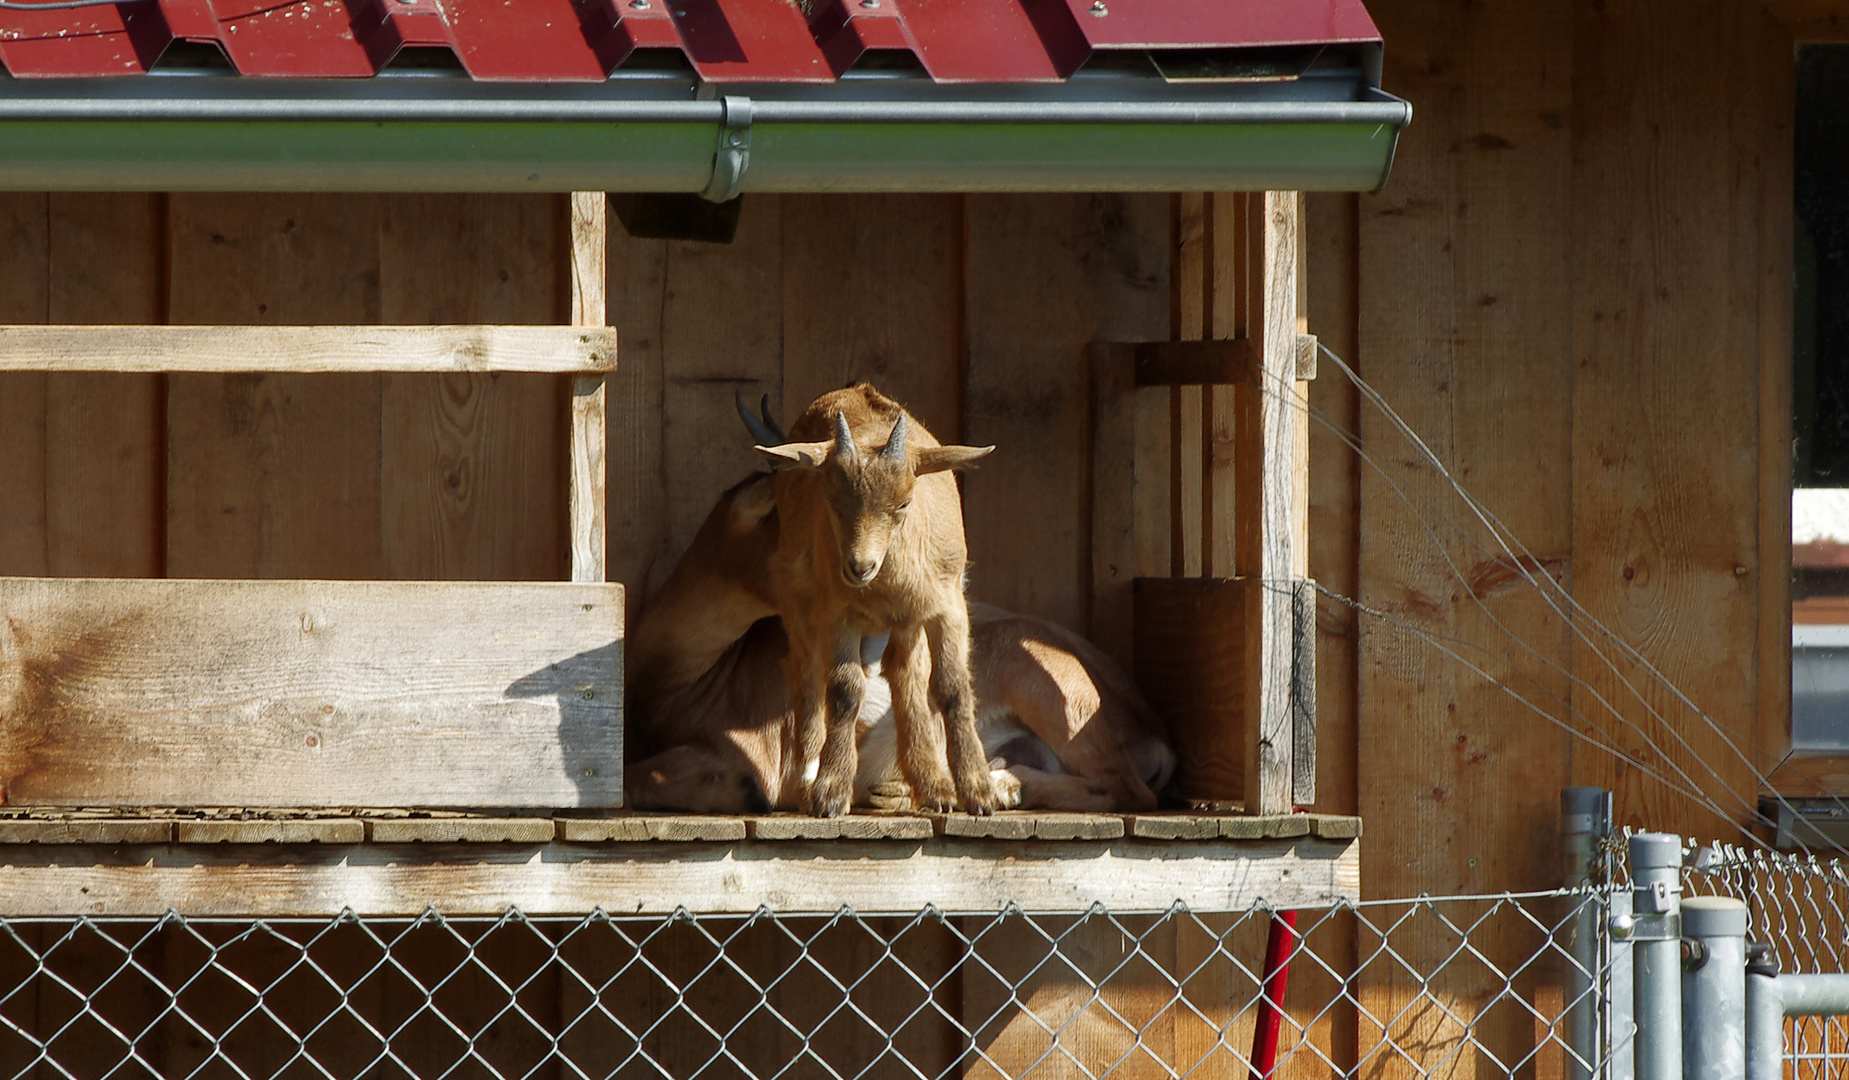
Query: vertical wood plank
[(636, 514), (872, 289), (1465, 294), (473, 465), (1267, 484), (1190, 311), (279, 475), (588, 482), (721, 332), (1666, 425), (105, 481), (24, 297), (1228, 318), (1048, 274), (1332, 261)]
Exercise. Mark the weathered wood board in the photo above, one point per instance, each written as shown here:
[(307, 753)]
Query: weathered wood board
[(307, 349), (874, 876), (309, 693)]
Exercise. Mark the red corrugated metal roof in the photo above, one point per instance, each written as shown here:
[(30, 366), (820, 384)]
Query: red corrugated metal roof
[(725, 40)]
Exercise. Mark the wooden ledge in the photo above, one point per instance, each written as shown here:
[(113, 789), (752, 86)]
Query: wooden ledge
[(308, 349), (957, 875), (107, 827)]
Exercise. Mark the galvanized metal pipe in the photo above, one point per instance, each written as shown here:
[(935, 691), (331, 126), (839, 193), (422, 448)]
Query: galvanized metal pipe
[(1620, 999), (1765, 1027), (1656, 865), (1714, 989), (1770, 1000), (1584, 820)]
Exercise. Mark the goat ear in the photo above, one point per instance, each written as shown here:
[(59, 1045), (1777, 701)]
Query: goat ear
[(938, 458), (754, 502), (807, 455)]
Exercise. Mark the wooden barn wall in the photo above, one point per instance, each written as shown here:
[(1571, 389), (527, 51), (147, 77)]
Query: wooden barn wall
[(1575, 288)]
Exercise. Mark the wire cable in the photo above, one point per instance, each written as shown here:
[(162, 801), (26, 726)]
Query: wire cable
[(1521, 562)]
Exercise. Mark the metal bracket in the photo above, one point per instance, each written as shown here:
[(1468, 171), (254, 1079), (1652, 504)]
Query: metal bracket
[(733, 154), (1660, 917)]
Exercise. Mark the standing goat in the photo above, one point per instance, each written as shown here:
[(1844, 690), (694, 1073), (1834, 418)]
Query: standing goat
[(871, 540)]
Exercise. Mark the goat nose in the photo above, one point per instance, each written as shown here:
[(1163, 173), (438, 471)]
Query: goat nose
[(860, 573)]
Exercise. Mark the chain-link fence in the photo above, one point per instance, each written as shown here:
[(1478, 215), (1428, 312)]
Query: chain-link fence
[(1433, 986), (1414, 988)]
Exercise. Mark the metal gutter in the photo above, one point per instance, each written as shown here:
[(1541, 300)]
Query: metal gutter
[(675, 134)]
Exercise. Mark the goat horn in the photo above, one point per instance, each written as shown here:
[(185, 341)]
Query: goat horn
[(765, 433), (775, 428), (844, 438), (895, 446)]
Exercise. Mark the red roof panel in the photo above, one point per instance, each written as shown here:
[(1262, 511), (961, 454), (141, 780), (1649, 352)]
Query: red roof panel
[(312, 39), (725, 40), (122, 39), (533, 40)]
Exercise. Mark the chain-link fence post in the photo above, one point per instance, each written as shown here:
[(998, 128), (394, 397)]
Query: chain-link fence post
[(1714, 988), (1765, 1021), (1656, 935), (1585, 818)]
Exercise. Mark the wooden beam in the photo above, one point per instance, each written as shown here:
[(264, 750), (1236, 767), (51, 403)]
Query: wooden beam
[(1267, 518), (589, 475), (1303, 695), (789, 876), (306, 349), (133, 692)]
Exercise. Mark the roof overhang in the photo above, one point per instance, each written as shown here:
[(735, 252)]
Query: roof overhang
[(1246, 96)]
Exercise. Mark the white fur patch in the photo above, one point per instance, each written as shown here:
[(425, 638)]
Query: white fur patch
[(810, 771)]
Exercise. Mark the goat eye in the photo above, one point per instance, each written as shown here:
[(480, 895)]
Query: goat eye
[(904, 506)]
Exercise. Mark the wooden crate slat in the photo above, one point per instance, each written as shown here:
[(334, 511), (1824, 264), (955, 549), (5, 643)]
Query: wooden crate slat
[(817, 876), (309, 693), (307, 349)]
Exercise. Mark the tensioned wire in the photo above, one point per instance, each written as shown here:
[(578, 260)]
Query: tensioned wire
[(1518, 559), (1689, 788)]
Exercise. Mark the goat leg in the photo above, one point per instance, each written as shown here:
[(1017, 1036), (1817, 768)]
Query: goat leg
[(954, 690), (840, 755), (806, 674), (921, 739)]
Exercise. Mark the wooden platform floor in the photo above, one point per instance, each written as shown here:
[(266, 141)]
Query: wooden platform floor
[(232, 826)]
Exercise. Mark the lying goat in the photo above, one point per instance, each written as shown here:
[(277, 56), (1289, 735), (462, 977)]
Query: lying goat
[(871, 541), (708, 705)]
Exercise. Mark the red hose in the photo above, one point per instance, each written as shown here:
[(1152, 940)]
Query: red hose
[(1279, 945)]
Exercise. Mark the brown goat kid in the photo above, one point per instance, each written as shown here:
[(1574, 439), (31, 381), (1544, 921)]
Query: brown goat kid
[(871, 541), (708, 707)]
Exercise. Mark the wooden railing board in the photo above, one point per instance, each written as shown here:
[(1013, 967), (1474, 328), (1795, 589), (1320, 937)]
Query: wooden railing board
[(186, 692), (307, 349)]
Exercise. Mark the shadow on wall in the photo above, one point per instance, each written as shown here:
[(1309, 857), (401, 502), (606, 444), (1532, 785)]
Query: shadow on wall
[(589, 689)]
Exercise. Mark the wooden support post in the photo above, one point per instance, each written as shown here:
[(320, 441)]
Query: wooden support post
[(589, 488), (1266, 493)]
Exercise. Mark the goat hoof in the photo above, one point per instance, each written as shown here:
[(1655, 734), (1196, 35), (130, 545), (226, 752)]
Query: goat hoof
[(829, 800), (983, 801), (891, 795), (1008, 789)]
